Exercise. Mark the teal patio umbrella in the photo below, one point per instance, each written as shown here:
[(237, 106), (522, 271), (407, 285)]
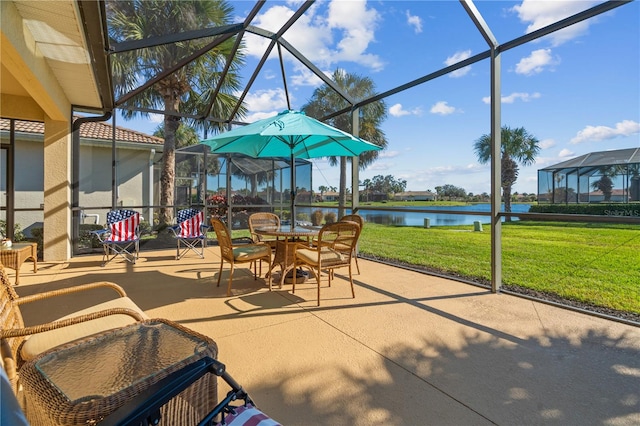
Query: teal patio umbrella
[(289, 134)]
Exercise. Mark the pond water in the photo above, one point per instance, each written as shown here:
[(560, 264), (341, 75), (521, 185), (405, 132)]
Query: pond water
[(409, 218)]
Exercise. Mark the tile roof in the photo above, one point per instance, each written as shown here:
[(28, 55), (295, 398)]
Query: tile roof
[(91, 130)]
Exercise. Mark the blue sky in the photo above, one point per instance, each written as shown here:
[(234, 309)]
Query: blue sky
[(576, 91)]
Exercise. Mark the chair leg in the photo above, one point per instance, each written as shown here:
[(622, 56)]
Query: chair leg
[(295, 276), (220, 273), (353, 294), (357, 266), (230, 280), (269, 275), (318, 282)]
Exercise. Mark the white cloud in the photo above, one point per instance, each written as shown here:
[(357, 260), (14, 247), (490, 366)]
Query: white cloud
[(343, 34), (599, 133), (380, 166), (250, 118), (398, 111), (524, 97), (536, 62), (266, 100), (388, 154), (509, 99), (304, 77), (564, 153), (156, 118), (442, 108), (357, 24), (454, 59), (547, 143), (539, 14), (415, 22)]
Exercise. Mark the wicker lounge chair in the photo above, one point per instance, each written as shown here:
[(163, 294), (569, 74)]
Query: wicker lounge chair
[(20, 344)]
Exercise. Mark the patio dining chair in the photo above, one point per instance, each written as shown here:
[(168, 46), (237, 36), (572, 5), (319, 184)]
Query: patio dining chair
[(335, 246), (190, 232), (360, 221), (264, 220), (20, 344), (244, 253), (121, 236)]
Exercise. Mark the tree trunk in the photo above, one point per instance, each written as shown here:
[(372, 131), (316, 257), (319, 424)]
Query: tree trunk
[(506, 194), (342, 199), (167, 177)]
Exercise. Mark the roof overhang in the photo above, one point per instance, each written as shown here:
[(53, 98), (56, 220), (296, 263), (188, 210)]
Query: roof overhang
[(53, 59)]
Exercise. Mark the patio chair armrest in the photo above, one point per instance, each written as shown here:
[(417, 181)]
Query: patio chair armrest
[(101, 234), (52, 293), (175, 229), (306, 246), (27, 331)]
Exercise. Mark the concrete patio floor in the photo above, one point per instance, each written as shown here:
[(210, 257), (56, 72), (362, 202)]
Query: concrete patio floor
[(410, 349)]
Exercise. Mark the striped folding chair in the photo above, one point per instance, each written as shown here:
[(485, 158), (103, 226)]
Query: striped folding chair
[(190, 232), (121, 237)]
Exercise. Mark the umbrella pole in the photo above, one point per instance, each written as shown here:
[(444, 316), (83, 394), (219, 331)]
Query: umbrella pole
[(293, 191)]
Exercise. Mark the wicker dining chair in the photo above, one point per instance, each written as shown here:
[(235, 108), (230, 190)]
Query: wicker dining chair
[(360, 221), (20, 344), (264, 220), (335, 247), (243, 253)]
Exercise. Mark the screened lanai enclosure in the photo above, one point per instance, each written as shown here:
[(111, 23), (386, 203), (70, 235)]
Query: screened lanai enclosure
[(234, 186), (80, 177), (597, 177)]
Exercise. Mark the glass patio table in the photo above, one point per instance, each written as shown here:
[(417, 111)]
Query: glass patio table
[(287, 239), (84, 381)]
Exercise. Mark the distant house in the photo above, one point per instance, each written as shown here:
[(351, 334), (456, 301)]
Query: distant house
[(330, 196), (577, 180), (137, 155), (415, 196)]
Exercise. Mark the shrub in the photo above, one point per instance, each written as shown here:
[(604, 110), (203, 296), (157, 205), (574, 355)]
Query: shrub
[(18, 235), (604, 209), (86, 239), (316, 217), (145, 227), (330, 217)]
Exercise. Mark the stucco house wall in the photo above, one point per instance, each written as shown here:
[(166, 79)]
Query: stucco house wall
[(136, 155)]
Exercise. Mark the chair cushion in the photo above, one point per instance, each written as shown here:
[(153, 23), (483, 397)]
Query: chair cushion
[(250, 252), (328, 256), (40, 342)]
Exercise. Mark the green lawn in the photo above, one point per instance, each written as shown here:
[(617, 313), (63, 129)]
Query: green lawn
[(590, 263)]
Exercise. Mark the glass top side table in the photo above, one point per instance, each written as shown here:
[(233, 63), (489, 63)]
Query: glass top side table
[(84, 381)]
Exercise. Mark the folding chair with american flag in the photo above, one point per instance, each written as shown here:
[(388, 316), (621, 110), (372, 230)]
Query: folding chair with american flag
[(121, 237), (190, 231)]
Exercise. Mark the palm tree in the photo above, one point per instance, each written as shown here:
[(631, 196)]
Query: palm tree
[(605, 183), (187, 136), (325, 100), (633, 176), (187, 89), (517, 146)]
